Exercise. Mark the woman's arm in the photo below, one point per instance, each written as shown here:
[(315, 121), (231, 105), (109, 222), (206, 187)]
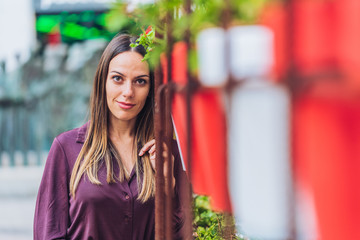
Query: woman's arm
[(52, 205)]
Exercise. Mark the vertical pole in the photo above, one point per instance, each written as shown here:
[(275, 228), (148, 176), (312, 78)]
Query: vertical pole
[(159, 176), (187, 190), (226, 15), (11, 132), (169, 129), (169, 166), (292, 85), (163, 134), (228, 228)]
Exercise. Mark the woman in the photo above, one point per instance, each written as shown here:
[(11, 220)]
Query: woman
[(99, 179)]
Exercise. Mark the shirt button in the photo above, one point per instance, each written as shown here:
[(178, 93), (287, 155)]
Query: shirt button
[(127, 197)]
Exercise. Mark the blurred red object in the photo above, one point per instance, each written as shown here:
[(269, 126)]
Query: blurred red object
[(54, 38), (208, 130), (148, 30), (326, 154), (316, 36), (275, 18), (321, 39)]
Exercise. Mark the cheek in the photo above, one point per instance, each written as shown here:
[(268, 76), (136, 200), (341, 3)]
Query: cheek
[(145, 95), (142, 98), (109, 90)]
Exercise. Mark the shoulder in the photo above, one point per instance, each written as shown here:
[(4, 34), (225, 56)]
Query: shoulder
[(73, 136), (68, 144)]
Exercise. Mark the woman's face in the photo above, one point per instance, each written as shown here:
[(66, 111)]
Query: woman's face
[(127, 86)]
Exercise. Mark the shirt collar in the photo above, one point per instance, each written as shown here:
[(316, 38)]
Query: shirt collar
[(81, 134)]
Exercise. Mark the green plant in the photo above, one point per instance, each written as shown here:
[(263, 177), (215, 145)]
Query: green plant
[(208, 225), (146, 39), (169, 16)]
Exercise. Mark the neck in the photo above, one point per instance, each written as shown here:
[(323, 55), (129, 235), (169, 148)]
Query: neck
[(121, 130)]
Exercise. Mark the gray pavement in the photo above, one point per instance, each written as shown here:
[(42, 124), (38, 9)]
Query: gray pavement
[(18, 190)]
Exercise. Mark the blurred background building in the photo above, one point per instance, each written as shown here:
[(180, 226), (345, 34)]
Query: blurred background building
[(48, 55), (305, 115)]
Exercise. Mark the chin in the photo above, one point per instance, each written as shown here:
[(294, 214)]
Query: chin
[(122, 117)]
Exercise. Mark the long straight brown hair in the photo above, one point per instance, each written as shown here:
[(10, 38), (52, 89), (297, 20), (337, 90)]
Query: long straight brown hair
[(97, 148)]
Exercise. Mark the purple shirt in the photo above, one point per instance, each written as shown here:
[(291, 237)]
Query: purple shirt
[(98, 212)]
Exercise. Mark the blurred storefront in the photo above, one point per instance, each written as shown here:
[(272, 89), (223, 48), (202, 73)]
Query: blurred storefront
[(48, 54), (71, 21), (17, 32)]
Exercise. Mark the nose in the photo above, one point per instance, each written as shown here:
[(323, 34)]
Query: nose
[(128, 89)]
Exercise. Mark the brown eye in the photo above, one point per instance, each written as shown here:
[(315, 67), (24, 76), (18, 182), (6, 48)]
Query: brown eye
[(141, 81), (116, 78)]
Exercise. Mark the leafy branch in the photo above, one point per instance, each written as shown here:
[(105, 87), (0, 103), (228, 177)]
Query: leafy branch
[(147, 40), (208, 225), (205, 13)]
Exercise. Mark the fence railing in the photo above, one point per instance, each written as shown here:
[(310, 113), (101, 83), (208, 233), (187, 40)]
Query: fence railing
[(44, 97)]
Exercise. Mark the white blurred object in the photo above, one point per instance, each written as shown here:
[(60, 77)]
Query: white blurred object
[(142, 1), (132, 4), (259, 141), (81, 53), (17, 31), (211, 46), (47, 4), (259, 155), (76, 58), (53, 56), (251, 51), (305, 214)]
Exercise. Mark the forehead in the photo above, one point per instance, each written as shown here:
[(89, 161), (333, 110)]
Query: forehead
[(129, 63)]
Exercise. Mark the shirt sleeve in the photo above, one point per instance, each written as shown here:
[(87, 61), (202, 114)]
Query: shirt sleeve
[(52, 204), (181, 183)]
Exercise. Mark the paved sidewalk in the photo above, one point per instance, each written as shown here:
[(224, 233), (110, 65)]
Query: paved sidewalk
[(18, 190)]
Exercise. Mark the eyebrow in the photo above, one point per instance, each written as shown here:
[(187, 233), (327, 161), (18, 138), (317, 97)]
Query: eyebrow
[(144, 75)]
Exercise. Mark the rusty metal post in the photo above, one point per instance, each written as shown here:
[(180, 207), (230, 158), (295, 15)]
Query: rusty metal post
[(169, 166), (169, 130), (292, 84), (163, 134), (228, 227), (187, 191), (159, 178)]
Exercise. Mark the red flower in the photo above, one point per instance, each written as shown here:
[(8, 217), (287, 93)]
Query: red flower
[(148, 30)]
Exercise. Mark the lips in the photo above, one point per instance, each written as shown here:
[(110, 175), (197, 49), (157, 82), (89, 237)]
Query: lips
[(125, 105)]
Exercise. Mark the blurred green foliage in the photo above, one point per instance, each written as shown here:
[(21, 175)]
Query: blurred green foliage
[(204, 13), (209, 225), (81, 26), (146, 39)]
